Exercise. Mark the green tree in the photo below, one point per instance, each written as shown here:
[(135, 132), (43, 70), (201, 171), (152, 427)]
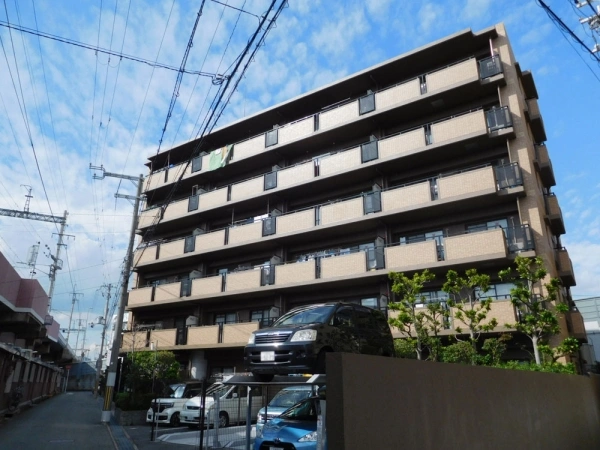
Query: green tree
[(469, 308), (494, 349), (539, 317), (151, 371)]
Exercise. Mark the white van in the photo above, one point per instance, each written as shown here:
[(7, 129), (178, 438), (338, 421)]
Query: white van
[(167, 409), (232, 406)]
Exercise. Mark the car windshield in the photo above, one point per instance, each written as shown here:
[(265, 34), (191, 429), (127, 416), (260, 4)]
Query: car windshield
[(305, 410), (285, 398), (218, 391), (316, 314), (176, 390)]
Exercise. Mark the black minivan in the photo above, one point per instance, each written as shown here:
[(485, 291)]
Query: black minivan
[(298, 341)]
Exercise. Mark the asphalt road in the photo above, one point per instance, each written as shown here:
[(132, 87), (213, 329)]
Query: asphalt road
[(69, 421)]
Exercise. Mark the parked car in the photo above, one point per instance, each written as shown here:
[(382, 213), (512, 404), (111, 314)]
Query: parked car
[(283, 400), (299, 340), (167, 409), (295, 428), (232, 406)]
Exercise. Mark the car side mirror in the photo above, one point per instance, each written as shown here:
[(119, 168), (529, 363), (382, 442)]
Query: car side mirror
[(234, 395)]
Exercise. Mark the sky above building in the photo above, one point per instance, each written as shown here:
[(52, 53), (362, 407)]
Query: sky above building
[(64, 106)]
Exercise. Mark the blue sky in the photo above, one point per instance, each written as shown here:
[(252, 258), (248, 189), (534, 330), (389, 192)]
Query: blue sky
[(80, 107)]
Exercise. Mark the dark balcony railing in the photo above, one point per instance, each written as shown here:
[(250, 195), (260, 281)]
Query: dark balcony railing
[(508, 176), (489, 67), (498, 118), (519, 239)]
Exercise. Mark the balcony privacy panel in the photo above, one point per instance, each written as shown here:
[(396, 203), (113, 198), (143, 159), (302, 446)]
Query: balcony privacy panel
[(498, 118), (467, 183), (344, 265), (476, 245), (340, 162), (271, 137), (508, 176), (144, 255), (190, 244), (245, 233), (270, 181), (163, 338), (337, 212), (148, 217), (372, 202), (404, 197), (176, 210), (401, 143), (420, 254), (459, 127), (186, 288), (238, 333), (209, 241), (458, 73), (203, 335), (366, 104), (193, 203), (248, 188), (269, 226), (302, 220), (398, 94), (246, 280), (171, 249), (339, 115), (169, 291), (197, 164), (248, 148), (213, 199), (368, 152), (206, 286), (299, 272), (296, 130), (140, 296), (296, 174), (267, 275), (490, 66)]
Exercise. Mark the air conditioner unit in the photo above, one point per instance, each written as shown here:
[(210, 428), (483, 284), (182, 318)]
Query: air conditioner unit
[(195, 274), (191, 321)]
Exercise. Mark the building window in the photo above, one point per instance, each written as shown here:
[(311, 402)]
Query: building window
[(262, 316), (225, 318), (489, 225)]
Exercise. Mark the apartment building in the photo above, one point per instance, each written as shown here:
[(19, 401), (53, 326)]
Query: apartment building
[(434, 159)]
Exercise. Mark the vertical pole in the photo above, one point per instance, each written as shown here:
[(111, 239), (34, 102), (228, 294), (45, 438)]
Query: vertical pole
[(54, 264), (99, 360), (114, 355)]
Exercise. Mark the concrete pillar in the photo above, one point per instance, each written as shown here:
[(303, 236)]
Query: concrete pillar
[(198, 365)]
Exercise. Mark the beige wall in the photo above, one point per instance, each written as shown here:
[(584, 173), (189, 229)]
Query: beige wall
[(340, 162), (295, 272), (248, 188), (213, 199), (165, 338), (296, 130), (501, 310), (248, 279), (203, 335), (207, 286), (249, 147), (234, 333), (338, 115), (210, 240), (398, 94), (336, 212), (297, 221), (416, 405), (139, 296), (176, 209), (344, 265), (297, 174), (406, 196), (461, 126), (419, 254), (243, 233), (401, 143), (145, 254), (458, 73), (475, 245), (170, 249), (148, 217), (467, 182), (169, 291)]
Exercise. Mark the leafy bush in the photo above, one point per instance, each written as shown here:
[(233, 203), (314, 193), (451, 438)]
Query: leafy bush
[(568, 368), (405, 348), (462, 352)]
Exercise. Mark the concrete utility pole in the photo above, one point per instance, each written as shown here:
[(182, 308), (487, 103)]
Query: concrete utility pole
[(104, 325), (116, 345), (75, 294)]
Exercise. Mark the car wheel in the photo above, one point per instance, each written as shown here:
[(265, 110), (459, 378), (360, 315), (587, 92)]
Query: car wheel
[(175, 420), (223, 419), (321, 365), (263, 377)]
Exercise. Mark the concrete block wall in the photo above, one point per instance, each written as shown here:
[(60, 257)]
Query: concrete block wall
[(296, 174), (238, 333), (338, 115), (248, 279), (248, 148), (474, 245), (460, 126), (419, 254), (248, 188), (169, 291), (296, 130), (401, 143), (295, 273), (336, 212), (398, 94), (207, 286), (344, 265), (244, 233), (467, 182), (458, 73), (211, 240), (404, 197), (340, 162), (295, 222), (203, 335)]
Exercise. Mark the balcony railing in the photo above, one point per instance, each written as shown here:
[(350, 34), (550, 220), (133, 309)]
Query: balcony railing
[(343, 112)]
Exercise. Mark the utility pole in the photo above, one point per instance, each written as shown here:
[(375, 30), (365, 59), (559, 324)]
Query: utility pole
[(104, 321), (114, 354), (75, 294), (56, 261)]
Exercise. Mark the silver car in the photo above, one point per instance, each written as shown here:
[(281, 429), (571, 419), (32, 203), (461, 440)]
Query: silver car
[(283, 400)]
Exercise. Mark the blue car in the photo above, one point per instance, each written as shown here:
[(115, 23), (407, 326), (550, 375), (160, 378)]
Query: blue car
[(295, 429)]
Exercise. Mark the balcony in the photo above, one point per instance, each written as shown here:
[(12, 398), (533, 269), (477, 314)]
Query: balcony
[(575, 325), (392, 104), (565, 268), (544, 166), (532, 113), (554, 217), (220, 335)]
